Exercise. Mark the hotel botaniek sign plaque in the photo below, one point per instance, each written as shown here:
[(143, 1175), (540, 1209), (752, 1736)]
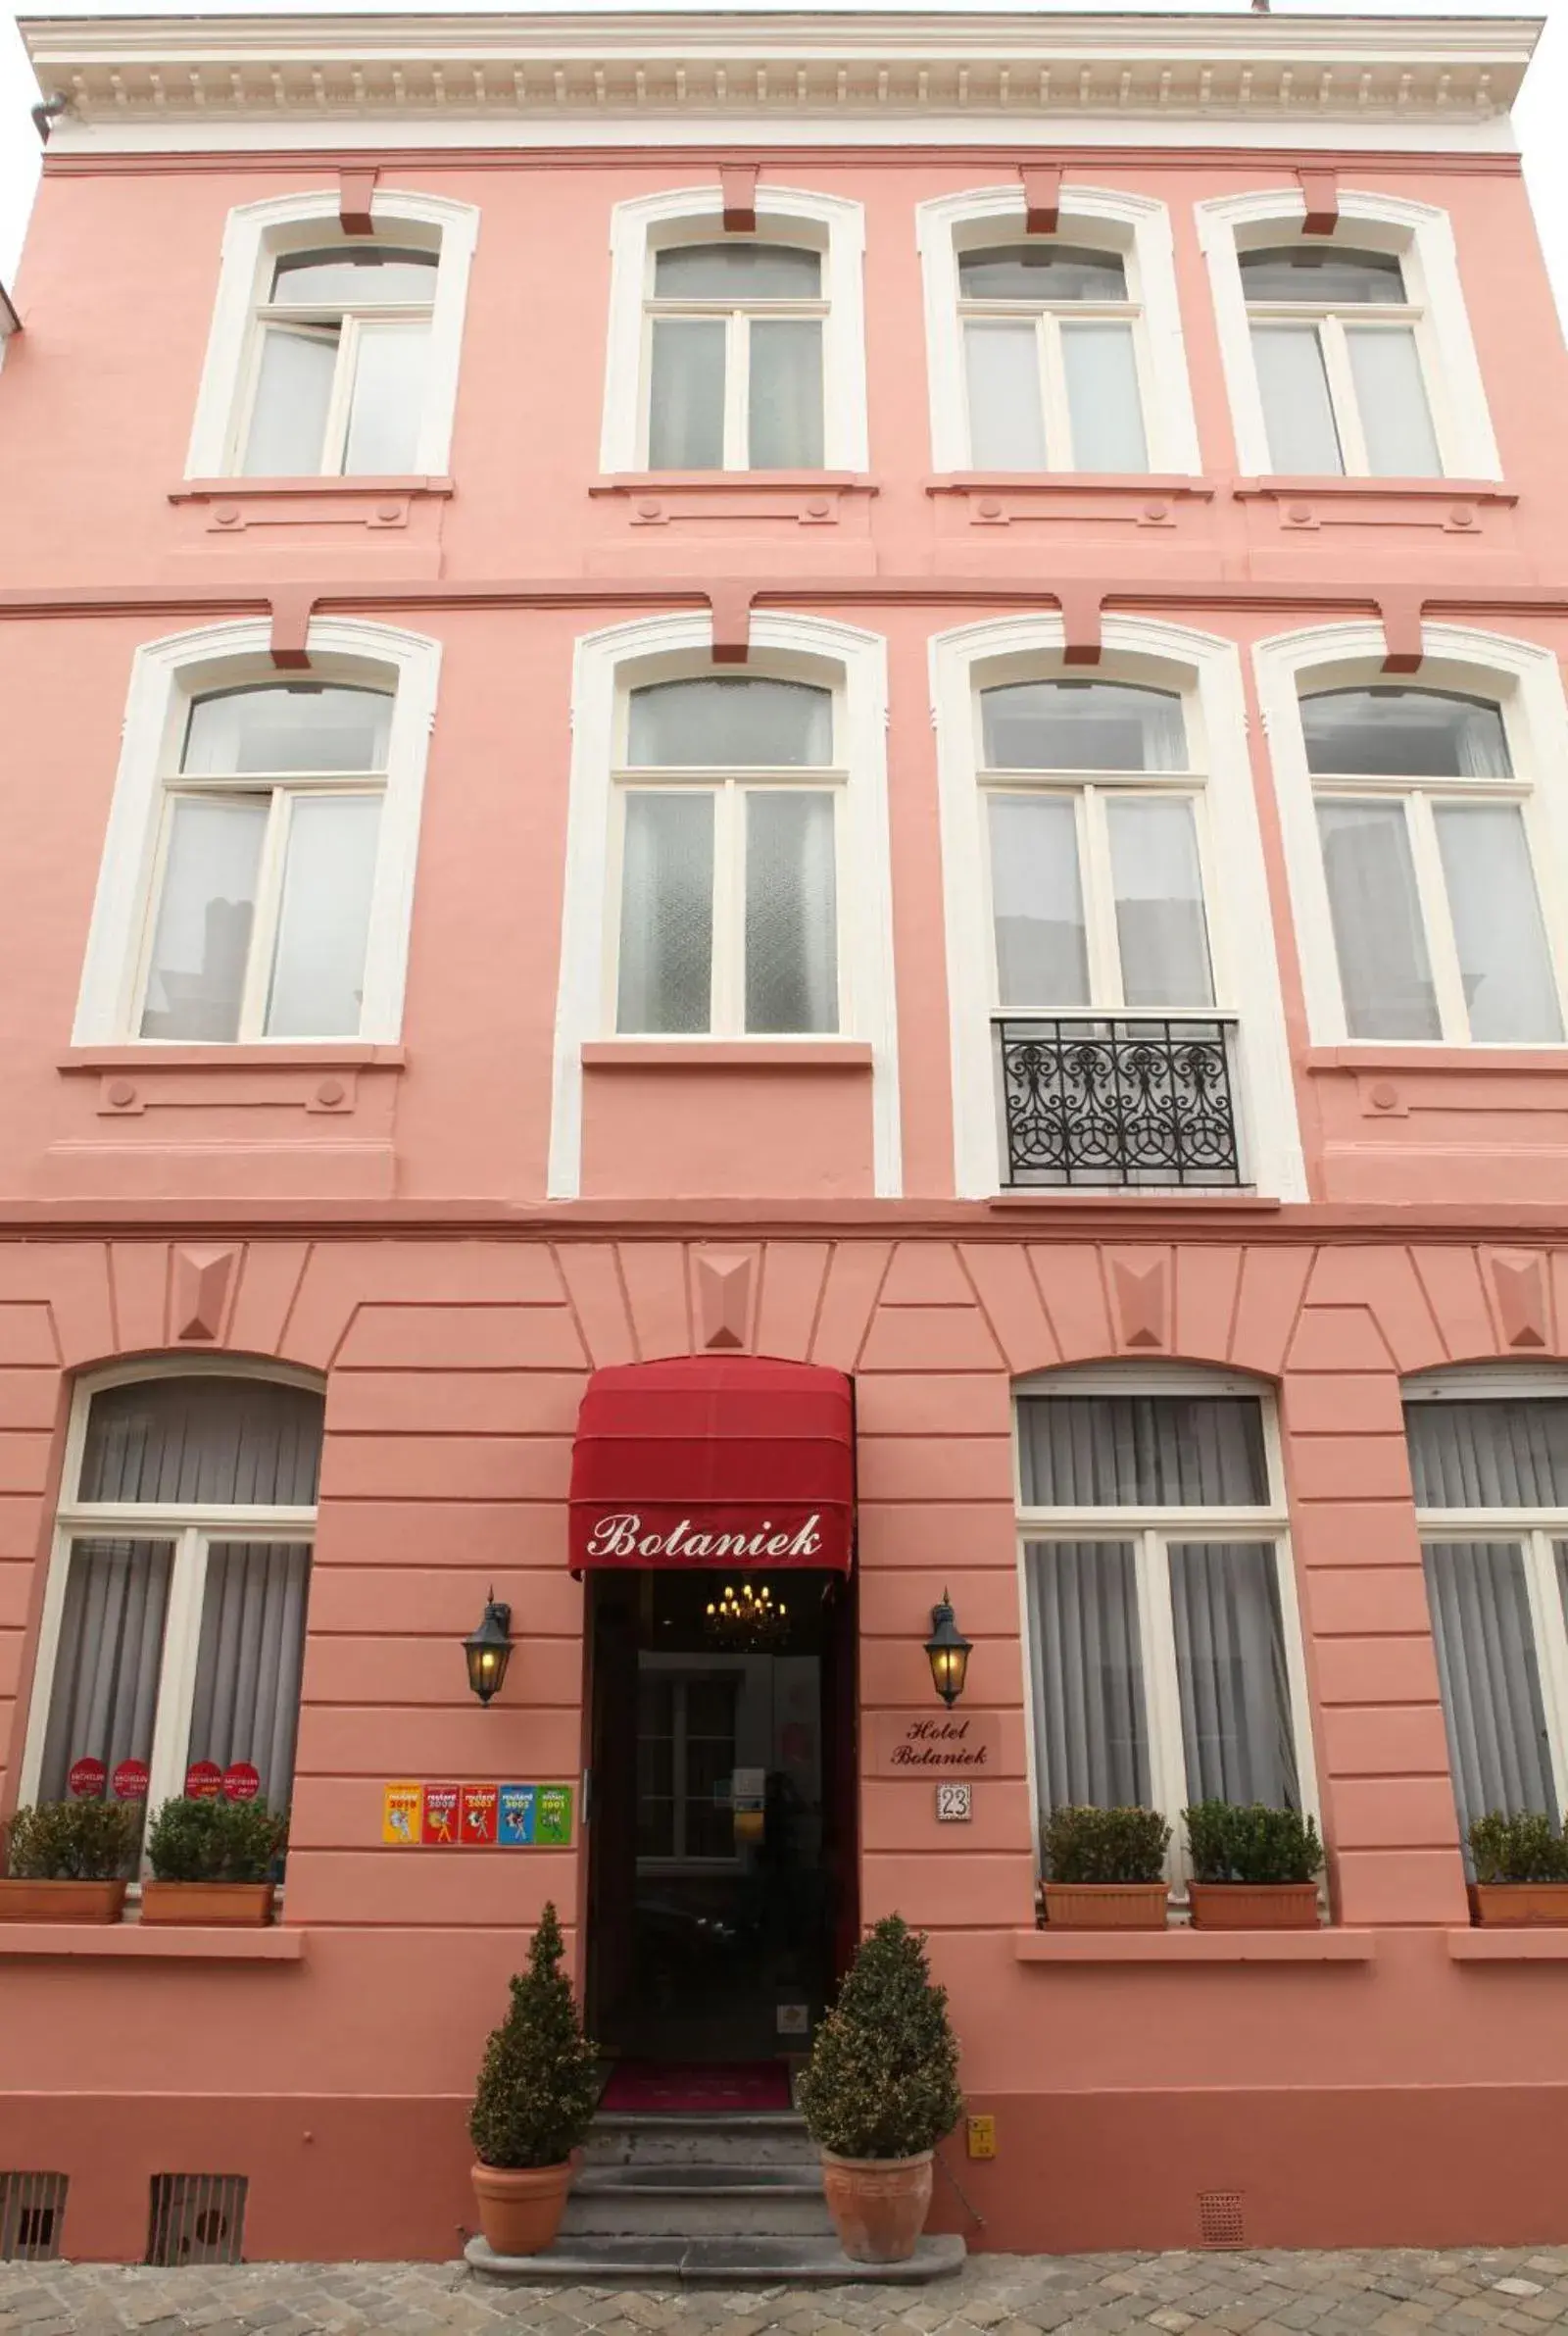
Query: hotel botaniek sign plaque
[(928, 1745)]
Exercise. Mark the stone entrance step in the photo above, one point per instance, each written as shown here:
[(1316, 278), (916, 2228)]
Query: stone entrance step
[(729, 2261), (751, 2137), (697, 2200)]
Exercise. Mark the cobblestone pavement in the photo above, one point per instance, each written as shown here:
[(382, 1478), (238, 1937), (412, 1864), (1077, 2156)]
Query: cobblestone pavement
[(1461, 2293)]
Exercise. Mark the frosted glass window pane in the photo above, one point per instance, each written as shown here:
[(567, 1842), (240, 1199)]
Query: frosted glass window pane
[(1006, 420), (318, 971), (1390, 395), (791, 914), (1384, 969), (1037, 902), (1102, 398), (1509, 992), (1326, 279), (1298, 411), (1082, 725), (356, 278), (719, 724), (293, 391), (1044, 272), (197, 979), (388, 400), (686, 395), (1404, 733), (667, 914), (292, 727), (737, 271), (786, 394), (1160, 926)]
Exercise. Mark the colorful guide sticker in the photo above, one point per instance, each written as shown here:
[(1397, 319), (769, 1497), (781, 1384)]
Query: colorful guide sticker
[(241, 1782), (478, 1822), (87, 1779), (518, 1811), (401, 1807), (439, 1825), (130, 1781), (555, 1816), (204, 1780)]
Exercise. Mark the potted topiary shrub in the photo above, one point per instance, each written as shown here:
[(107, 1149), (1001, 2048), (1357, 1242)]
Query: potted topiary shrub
[(1521, 1869), (1253, 1868), (69, 1861), (1104, 1869), (879, 2092), (535, 2100), (213, 1862)]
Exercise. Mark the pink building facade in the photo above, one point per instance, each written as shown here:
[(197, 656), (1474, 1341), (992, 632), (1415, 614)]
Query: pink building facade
[(872, 692)]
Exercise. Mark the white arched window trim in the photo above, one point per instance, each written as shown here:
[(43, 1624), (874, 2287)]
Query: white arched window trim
[(165, 675), (1212, 670), (1522, 678), (252, 234), (583, 1006), (1143, 230), (1423, 235), (633, 223)]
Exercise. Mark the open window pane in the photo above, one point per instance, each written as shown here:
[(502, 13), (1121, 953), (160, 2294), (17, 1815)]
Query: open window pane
[(1392, 397), (250, 1656), (1082, 725), (737, 271), (1404, 733), (1037, 902), (1509, 990), (667, 914), (686, 394), (721, 722), (1490, 1680), (1142, 1450), (791, 913), (288, 725), (1385, 973), (293, 391), (1508, 1454), (103, 1700), (1007, 420), (1298, 411), (1160, 926), (353, 279), (196, 980), (203, 1440), (318, 971), (387, 400), (1103, 400), (1231, 1674), (786, 393), (1091, 1726)]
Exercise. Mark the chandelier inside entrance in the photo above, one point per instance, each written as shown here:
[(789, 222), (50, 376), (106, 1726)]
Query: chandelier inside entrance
[(747, 1617)]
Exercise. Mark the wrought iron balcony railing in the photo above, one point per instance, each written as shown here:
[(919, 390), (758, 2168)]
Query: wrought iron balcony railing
[(1117, 1102)]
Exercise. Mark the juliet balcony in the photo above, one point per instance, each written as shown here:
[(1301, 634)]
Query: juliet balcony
[(1118, 1102)]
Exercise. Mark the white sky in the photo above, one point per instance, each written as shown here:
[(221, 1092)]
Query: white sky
[(1540, 118)]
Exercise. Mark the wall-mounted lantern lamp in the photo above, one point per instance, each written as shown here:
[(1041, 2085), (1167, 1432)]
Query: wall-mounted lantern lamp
[(948, 1652), (489, 1649)]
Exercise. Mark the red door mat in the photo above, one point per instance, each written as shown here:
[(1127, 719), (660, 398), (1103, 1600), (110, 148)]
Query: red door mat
[(686, 2088)]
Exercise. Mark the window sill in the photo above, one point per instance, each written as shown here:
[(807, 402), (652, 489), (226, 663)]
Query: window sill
[(726, 1054), (1199, 1946), (112, 1942), (1413, 490), (283, 1055), (751, 483), (1179, 485), (1508, 1945), (1504, 1061), (254, 490), (1230, 1197)]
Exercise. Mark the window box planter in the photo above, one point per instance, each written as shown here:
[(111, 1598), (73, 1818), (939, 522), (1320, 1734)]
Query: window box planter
[(1519, 1906), (231, 1904), (1253, 1905), (1106, 1906), (62, 1901)]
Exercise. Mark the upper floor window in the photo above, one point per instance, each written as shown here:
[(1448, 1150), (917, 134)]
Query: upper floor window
[(735, 358), (1335, 341), (1051, 360), (1429, 858), (342, 343)]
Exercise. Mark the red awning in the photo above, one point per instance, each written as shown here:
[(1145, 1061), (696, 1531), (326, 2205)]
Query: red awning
[(709, 1459)]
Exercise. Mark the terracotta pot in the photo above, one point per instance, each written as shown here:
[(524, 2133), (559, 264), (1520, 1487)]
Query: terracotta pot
[(1520, 1905), (233, 1905), (62, 1901), (520, 2206), (1253, 1905), (878, 2205), (1106, 1906)]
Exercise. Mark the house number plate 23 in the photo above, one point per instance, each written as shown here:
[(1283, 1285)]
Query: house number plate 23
[(954, 1805)]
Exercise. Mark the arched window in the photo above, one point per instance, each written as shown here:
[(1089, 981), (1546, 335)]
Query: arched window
[(173, 1627)]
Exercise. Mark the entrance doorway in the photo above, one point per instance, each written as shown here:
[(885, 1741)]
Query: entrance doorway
[(721, 1811)]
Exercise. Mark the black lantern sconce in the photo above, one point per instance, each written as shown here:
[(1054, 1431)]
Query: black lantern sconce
[(948, 1652), (489, 1649)]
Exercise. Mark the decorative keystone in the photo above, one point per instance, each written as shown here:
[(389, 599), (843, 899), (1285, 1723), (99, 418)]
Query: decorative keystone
[(202, 1279)]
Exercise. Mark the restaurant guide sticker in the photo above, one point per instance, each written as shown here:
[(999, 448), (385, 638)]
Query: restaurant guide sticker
[(438, 1827), (87, 1779), (478, 1824), (555, 1815), (130, 1781), (204, 1780), (400, 1815), (241, 1782), (518, 1811), (474, 1816)]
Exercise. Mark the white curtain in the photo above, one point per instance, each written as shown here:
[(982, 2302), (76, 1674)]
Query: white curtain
[(1510, 993), (1082, 725), (247, 1700), (1297, 409), (1490, 1679), (1509, 1454), (1231, 1670), (1392, 397), (1103, 400), (1161, 930), (1379, 935), (785, 393), (198, 1440), (103, 1697), (686, 395), (1142, 1450), (1091, 1730), (1006, 415), (1037, 901)]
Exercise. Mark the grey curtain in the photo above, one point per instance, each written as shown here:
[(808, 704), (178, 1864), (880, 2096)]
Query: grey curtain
[(1142, 1450), (1091, 1730), (1508, 1454), (247, 1700), (103, 1695), (1490, 1679), (199, 1440), (1229, 1666)]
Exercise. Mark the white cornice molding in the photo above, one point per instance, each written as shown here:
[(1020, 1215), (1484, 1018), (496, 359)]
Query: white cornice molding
[(783, 68)]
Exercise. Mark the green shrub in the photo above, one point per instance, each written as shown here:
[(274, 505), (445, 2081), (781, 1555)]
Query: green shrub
[(1105, 1845), (216, 1841), (883, 2076), (73, 1841), (539, 2082), (1232, 1842), (1518, 1848)]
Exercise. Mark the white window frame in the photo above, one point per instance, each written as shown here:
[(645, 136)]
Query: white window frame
[(1135, 227), (1526, 683), (683, 1671), (646, 223), (254, 235), (165, 678), (605, 666), (1151, 1531), (737, 316), (191, 1526), (1422, 236), (1206, 673)]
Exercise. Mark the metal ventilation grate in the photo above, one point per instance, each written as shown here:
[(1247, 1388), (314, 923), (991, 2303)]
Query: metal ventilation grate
[(1220, 2221), (32, 2209), (196, 2218)]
